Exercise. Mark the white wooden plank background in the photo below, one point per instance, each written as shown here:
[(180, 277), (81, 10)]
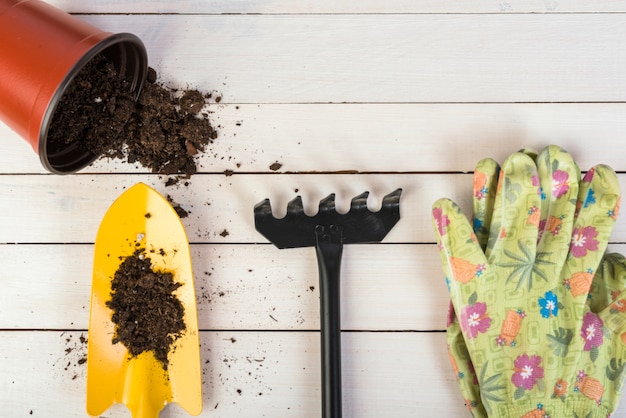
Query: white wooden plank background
[(348, 6), (346, 96)]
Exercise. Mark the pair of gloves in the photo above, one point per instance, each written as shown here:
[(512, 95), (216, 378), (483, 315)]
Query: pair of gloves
[(537, 319)]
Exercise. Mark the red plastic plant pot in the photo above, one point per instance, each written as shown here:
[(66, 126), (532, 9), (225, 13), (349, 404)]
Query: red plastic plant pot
[(42, 49)]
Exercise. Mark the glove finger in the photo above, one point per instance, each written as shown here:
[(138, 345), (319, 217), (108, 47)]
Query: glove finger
[(531, 152), (461, 255), (485, 182), (592, 228), (484, 191), (514, 222), (559, 177)]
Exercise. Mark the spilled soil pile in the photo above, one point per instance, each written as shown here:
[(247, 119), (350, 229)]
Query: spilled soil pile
[(147, 314), (163, 130)]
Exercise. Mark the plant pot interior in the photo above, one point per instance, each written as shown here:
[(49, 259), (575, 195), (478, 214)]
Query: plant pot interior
[(129, 58)]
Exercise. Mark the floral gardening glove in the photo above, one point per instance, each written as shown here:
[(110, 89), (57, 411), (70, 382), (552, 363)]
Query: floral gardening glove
[(606, 286), (522, 305)]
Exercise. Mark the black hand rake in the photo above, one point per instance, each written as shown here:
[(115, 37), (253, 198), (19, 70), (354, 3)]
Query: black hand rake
[(327, 231)]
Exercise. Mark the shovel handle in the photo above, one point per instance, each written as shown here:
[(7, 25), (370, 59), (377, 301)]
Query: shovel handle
[(329, 248)]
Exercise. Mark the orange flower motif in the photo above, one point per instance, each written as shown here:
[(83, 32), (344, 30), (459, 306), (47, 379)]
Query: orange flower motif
[(480, 184), (618, 306), (579, 283), (535, 413), (463, 270), (615, 294), (533, 216), (560, 389), (510, 327), (553, 224), (590, 387)]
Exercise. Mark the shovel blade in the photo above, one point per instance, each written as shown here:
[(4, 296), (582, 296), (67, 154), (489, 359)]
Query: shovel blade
[(142, 219)]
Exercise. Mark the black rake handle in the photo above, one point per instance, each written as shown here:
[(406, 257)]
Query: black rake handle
[(329, 248)]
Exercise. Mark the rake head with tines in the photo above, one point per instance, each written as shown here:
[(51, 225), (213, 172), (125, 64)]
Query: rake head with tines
[(327, 231)]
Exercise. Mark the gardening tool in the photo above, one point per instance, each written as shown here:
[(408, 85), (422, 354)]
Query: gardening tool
[(141, 219), (328, 231)]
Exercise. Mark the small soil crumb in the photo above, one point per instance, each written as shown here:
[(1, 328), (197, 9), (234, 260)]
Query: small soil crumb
[(175, 181), (146, 313), (160, 131), (276, 166), (182, 213), (228, 173), (172, 181)]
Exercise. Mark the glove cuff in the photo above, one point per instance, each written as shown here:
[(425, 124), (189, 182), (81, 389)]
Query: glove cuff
[(553, 408)]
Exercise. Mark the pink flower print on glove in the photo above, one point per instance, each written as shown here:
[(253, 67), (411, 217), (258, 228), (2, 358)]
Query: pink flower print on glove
[(560, 184), (441, 220), (583, 240), (528, 371), (474, 319), (592, 331)]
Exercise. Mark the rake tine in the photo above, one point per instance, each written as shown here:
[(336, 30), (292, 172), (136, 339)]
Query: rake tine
[(392, 200), (295, 207), (263, 209), (359, 202), (327, 204)]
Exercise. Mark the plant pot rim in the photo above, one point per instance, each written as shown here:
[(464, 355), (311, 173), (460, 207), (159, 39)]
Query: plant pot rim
[(72, 158)]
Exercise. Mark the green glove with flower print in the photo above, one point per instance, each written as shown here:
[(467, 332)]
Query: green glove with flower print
[(522, 301), (607, 283)]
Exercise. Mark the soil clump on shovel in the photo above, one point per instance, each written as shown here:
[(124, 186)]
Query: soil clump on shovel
[(147, 315), (163, 130)]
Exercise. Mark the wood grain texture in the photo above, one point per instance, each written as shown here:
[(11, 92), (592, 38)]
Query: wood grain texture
[(68, 209), (346, 97), (249, 374), (329, 6), (395, 58)]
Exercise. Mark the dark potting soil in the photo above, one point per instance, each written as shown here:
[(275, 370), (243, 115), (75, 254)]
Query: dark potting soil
[(180, 211), (147, 315), (163, 130)]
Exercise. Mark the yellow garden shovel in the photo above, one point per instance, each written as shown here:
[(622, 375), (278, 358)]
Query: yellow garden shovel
[(142, 225)]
